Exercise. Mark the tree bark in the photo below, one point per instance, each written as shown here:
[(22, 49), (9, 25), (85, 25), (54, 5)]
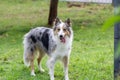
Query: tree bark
[(52, 11)]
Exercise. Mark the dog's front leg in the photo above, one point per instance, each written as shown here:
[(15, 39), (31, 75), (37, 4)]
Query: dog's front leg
[(65, 62), (50, 64)]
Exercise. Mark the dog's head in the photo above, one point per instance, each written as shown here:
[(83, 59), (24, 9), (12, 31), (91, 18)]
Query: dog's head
[(62, 30)]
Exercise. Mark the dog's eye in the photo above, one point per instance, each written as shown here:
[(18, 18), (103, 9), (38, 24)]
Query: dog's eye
[(58, 29), (64, 30)]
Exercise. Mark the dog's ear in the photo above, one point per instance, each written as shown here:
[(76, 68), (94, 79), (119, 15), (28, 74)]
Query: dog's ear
[(68, 22), (56, 21)]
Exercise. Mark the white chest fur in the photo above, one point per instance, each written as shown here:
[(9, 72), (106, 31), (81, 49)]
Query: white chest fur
[(62, 49)]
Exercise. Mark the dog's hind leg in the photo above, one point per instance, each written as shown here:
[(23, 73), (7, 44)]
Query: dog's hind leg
[(32, 66), (41, 55), (65, 63)]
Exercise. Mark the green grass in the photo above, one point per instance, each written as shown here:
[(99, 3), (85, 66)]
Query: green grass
[(92, 53)]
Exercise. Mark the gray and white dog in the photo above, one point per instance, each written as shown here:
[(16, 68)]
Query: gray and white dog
[(55, 42)]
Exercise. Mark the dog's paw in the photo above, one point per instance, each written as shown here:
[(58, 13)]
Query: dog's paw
[(66, 78), (33, 74), (52, 78), (42, 70)]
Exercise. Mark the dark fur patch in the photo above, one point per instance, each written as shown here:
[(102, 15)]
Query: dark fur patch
[(31, 49), (40, 33), (31, 42), (39, 38), (45, 39), (33, 38)]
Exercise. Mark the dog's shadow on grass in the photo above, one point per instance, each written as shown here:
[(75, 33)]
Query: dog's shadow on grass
[(46, 74), (39, 75)]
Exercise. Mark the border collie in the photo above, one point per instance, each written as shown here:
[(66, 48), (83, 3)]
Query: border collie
[(55, 42)]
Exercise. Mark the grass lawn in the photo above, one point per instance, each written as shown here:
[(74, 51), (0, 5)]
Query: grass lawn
[(92, 53)]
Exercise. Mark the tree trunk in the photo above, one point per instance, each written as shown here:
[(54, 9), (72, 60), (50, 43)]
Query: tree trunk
[(52, 11), (116, 4)]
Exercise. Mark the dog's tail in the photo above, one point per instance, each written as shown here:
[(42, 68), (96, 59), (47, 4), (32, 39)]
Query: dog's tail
[(26, 61), (27, 53)]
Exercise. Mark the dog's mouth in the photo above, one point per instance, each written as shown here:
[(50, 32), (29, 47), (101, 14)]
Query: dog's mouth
[(62, 39)]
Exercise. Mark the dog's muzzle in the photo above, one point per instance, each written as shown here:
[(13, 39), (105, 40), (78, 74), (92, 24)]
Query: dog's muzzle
[(62, 39)]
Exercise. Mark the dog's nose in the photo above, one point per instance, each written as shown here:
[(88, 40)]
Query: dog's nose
[(61, 36)]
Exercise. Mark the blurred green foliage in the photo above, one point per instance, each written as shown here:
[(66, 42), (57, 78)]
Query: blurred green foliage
[(112, 20)]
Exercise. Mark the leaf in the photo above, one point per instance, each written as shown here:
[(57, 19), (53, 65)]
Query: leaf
[(110, 22)]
